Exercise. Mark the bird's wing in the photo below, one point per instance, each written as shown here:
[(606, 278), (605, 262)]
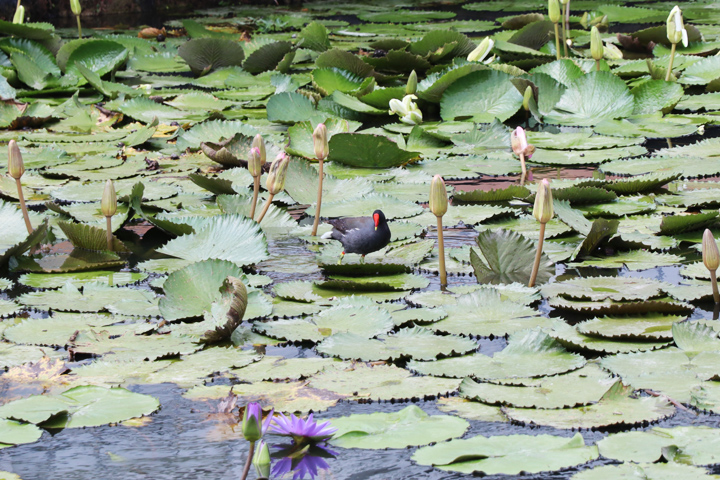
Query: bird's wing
[(345, 225)]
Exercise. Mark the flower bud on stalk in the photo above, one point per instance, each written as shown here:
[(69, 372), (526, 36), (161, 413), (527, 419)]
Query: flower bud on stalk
[(108, 206), (322, 150), (77, 10), (527, 96), (543, 212), (711, 259), (596, 47), (16, 168), (255, 169), (521, 148), (482, 51), (253, 430), (676, 33), (19, 17), (275, 180), (411, 86), (439, 206), (554, 15), (259, 143)]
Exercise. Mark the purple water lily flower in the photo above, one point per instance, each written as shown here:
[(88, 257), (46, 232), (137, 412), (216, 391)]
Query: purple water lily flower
[(302, 431), (303, 463), (253, 428)]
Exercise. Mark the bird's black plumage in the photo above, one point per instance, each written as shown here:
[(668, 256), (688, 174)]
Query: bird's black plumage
[(359, 235)]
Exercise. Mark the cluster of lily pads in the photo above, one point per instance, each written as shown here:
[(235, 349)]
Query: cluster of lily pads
[(189, 287)]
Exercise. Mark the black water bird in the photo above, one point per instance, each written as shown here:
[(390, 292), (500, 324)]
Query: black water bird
[(360, 235)]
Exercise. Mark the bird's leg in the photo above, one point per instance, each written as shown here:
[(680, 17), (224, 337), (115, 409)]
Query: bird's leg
[(362, 259), (342, 255)]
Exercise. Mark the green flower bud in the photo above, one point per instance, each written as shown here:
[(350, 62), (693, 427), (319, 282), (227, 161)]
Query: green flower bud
[(710, 253), (19, 17), (596, 44), (527, 96), (612, 52), (16, 168), (411, 86), (584, 20), (259, 143), (276, 177), (676, 32), (252, 422), (438, 196), (254, 163), (261, 460), (543, 208), (108, 205), (482, 50), (554, 11), (320, 140), (75, 7)]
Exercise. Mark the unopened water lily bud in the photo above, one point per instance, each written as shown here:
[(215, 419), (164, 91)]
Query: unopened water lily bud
[(527, 96), (612, 52), (254, 162), (320, 140), (543, 208), (75, 7), (261, 460), (108, 205), (252, 422), (438, 196), (19, 17), (482, 50), (676, 32), (710, 253), (596, 44), (16, 168), (519, 143), (554, 11), (259, 143), (276, 177), (411, 86)]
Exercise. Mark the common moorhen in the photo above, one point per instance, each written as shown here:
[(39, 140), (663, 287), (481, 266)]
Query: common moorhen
[(361, 235)]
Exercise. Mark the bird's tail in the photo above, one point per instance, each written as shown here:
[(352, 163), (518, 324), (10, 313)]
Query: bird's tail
[(327, 235)]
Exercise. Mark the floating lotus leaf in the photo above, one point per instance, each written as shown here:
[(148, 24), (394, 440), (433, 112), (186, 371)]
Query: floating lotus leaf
[(633, 260), (585, 157), (267, 57), (91, 406), (34, 409), (14, 355), (289, 397), (297, 291), (465, 214), (303, 188), (279, 368), (650, 471), (470, 410), (194, 368), (481, 96), (314, 37), (484, 313), (408, 427), (206, 54), (601, 288), (93, 298), (90, 237), (58, 329), (381, 382), (526, 226), (223, 237), (616, 407), (15, 239), (697, 444), (507, 454), (593, 98), (695, 337), (507, 257), (213, 131), (370, 151), (301, 143), (363, 321), (98, 56), (289, 107), (344, 60), (276, 222), (416, 342), (672, 225), (656, 95), (32, 30), (706, 396), (77, 261), (499, 195), (650, 126), (581, 387), (530, 353), (17, 433), (397, 282), (702, 72), (569, 337), (366, 205), (418, 315), (651, 326), (582, 140)]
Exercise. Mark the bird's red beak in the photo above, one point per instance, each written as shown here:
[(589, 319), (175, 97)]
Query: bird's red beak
[(376, 217)]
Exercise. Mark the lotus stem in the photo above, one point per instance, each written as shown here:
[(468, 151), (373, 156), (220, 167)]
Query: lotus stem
[(522, 165), (265, 208), (716, 294), (566, 30), (564, 37), (597, 65), (441, 252), (557, 41), (246, 470), (319, 200), (79, 26), (108, 224), (670, 65), (256, 191), (538, 255), (23, 207)]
